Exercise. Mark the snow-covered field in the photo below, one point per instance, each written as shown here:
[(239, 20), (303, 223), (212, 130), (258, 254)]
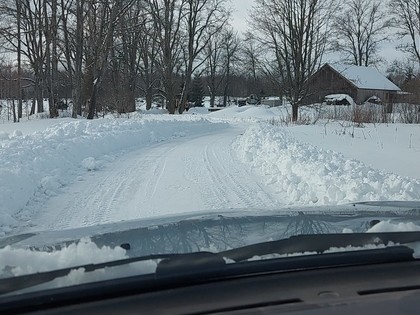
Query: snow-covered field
[(64, 173)]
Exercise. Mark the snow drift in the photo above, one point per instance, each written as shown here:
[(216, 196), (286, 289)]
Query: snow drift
[(303, 174), (36, 166)]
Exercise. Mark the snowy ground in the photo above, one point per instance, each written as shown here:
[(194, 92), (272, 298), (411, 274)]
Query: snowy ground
[(64, 173)]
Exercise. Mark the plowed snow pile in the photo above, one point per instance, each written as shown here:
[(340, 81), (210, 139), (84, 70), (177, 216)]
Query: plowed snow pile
[(304, 174), (66, 173), (36, 166)]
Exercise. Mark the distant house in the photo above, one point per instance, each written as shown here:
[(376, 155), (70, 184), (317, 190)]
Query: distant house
[(361, 83)]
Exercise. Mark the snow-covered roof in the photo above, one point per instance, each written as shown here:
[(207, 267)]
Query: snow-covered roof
[(365, 77)]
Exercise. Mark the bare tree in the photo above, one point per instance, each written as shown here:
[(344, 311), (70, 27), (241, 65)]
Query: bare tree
[(263, 75), (167, 18), (72, 23), (230, 48), (405, 73), (9, 88), (33, 34), (295, 32), (34, 49), (19, 57), (125, 58), (402, 71), (28, 38), (359, 30), (11, 39), (220, 52), (102, 19), (407, 19), (51, 20), (148, 56), (203, 19), (214, 69), (251, 55)]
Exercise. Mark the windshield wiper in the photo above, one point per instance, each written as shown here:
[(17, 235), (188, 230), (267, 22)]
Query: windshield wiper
[(320, 243), (8, 285), (213, 264)]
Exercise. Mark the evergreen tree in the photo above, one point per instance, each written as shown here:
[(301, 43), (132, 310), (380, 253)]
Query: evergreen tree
[(197, 91)]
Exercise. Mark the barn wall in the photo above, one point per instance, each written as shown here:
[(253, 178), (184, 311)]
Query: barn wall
[(387, 97), (325, 82), (363, 95)]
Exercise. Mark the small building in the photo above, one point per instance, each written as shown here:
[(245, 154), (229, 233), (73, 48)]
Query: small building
[(360, 83), (271, 101)]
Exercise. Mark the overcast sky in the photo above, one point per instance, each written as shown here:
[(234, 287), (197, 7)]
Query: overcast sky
[(241, 9), (240, 13)]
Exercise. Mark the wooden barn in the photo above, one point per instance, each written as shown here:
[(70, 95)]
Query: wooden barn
[(361, 83)]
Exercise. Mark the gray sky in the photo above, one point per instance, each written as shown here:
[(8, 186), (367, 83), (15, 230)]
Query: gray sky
[(241, 10), (240, 13)]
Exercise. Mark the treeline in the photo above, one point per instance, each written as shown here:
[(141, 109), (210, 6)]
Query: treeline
[(123, 47), (105, 53)]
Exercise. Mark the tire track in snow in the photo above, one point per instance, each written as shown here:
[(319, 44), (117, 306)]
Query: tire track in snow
[(98, 197), (230, 177), (195, 173)]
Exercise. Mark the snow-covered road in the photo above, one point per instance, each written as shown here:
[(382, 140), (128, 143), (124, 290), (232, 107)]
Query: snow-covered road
[(73, 173), (188, 174)]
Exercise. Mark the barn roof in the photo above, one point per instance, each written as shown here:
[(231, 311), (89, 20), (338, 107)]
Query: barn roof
[(365, 77)]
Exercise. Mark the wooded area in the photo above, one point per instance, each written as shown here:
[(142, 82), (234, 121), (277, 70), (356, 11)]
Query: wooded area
[(103, 54)]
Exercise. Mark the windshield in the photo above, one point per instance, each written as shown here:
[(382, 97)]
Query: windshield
[(138, 129)]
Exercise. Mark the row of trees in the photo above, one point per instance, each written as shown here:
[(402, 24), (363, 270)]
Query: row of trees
[(125, 41), (299, 33), (129, 48)]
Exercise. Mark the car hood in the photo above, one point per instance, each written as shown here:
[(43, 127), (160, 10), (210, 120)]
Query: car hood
[(222, 230)]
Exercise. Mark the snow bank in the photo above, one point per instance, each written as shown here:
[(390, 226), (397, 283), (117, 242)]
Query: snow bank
[(391, 147), (23, 261), (35, 166), (389, 226), (250, 113), (27, 127), (339, 99), (18, 262), (303, 174)]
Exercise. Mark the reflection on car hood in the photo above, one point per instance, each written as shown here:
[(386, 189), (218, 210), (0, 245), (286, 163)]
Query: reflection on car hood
[(223, 230)]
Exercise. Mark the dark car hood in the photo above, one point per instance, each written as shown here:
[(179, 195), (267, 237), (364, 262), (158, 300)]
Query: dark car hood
[(222, 230)]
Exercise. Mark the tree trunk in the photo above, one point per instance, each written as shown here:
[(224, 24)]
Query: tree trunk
[(212, 99), (54, 59), (76, 72), (149, 98), (19, 59), (128, 100), (170, 96), (295, 111), (76, 95), (38, 94), (92, 103), (131, 101), (14, 111), (131, 95), (33, 106), (20, 103), (186, 88), (226, 89), (170, 101)]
